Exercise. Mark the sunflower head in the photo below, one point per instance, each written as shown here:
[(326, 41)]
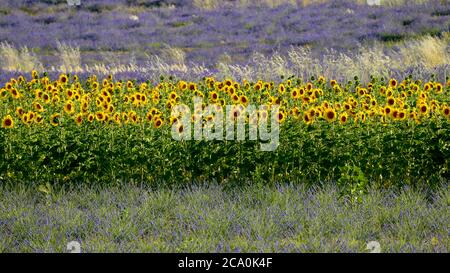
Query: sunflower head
[(343, 118), (158, 123), (330, 115), (281, 117), (54, 119), (63, 79), (423, 109), (69, 107), (393, 83), (100, 116), (8, 122), (79, 119), (307, 118)]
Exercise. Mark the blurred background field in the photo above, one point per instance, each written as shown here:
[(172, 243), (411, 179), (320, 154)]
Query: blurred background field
[(241, 39)]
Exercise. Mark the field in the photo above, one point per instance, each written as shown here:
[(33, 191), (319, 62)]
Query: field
[(200, 127), (211, 219)]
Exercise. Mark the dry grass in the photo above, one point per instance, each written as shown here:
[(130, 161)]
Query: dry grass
[(212, 4), (12, 59), (70, 58), (428, 51)]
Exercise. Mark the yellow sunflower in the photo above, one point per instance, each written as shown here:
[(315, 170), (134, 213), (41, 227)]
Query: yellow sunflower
[(54, 119), (8, 122), (330, 115)]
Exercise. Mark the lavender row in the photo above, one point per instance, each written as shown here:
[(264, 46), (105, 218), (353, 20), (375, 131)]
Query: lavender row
[(206, 34)]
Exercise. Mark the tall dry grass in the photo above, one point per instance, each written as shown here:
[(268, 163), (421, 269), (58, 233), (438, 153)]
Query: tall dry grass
[(426, 53), (70, 58), (12, 59), (212, 4)]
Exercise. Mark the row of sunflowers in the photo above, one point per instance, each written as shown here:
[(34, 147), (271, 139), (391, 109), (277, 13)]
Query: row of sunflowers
[(44, 102)]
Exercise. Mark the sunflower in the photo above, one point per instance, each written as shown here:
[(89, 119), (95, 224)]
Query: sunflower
[(39, 119), (213, 96), (110, 108), (243, 99), (170, 104), (343, 118), (281, 117), (393, 83), (307, 118), (133, 117), (173, 120), (15, 94), (90, 117), (347, 106), (84, 106), (45, 97), (79, 119), (361, 91), (8, 86), (330, 115), (180, 129), (34, 74), (391, 101), (144, 99), (394, 113), (149, 116), (235, 98), (301, 91), (257, 86), (387, 110), (333, 83), (106, 117), (295, 112), (281, 89), (100, 116), (19, 111), (69, 107), (158, 123), (54, 119), (402, 115), (362, 116), (8, 122), (182, 85), (192, 86), (31, 116), (63, 78), (423, 109), (295, 94), (235, 113), (413, 114), (56, 100), (3, 93), (446, 111), (95, 85)]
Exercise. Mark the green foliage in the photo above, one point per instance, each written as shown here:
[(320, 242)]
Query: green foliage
[(353, 182), (390, 155)]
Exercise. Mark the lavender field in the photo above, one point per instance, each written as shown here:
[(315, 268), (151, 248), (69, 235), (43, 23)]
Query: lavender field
[(145, 39), (284, 218), (87, 146)]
